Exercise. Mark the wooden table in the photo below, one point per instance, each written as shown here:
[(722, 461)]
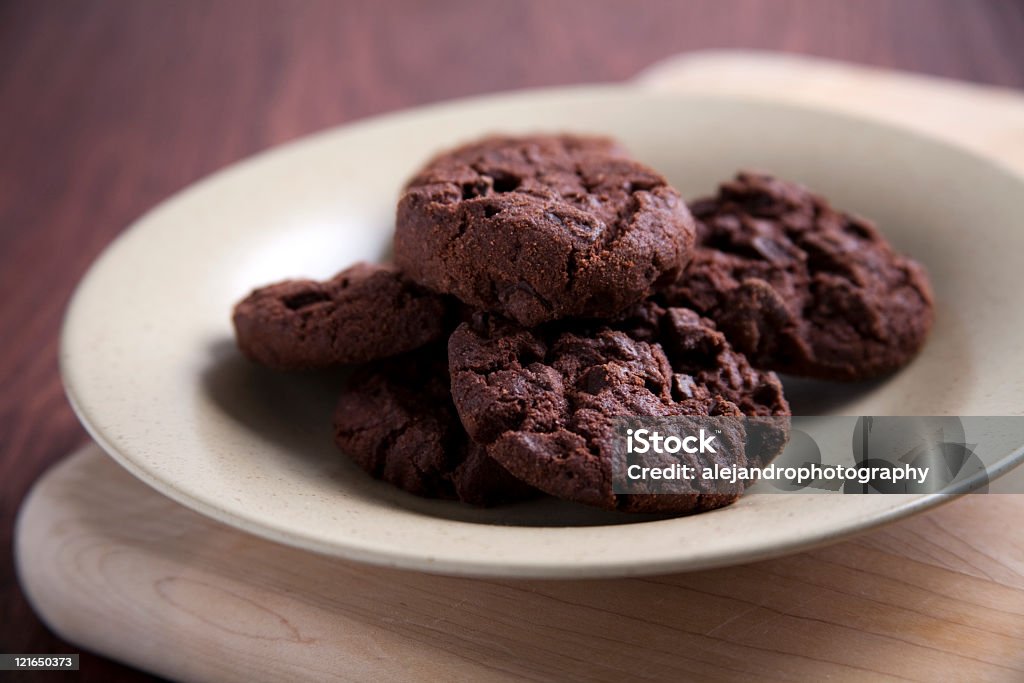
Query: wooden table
[(109, 107)]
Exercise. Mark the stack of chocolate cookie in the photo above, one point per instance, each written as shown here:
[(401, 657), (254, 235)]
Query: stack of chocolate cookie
[(546, 287)]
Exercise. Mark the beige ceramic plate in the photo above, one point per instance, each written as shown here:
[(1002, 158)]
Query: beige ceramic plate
[(150, 366)]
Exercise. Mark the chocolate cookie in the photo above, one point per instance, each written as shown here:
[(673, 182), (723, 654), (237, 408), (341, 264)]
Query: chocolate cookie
[(800, 287), (363, 313), (542, 227), (548, 402), (395, 418)]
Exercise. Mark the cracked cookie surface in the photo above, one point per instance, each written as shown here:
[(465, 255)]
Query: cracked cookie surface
[(800, 287), (695, 348), (701, 356), (540, 228), (363, 313), (396, 420)]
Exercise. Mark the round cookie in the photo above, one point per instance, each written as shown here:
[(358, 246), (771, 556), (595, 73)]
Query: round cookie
[(363, 313), (540, 228), (548, 402), (396, 420), (800, 287)]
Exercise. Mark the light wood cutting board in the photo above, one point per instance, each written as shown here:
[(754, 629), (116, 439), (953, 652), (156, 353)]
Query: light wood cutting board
[(116, 568)]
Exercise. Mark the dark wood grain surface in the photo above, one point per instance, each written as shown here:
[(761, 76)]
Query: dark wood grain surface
[(108, 107)]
